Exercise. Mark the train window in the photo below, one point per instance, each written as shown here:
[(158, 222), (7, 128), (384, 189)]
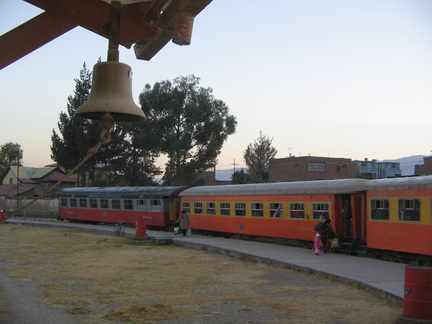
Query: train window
[(93, 203), (128, 204), (198, 208), (115, 203), (320, 211), (83, 202), (409, 210), (104, 203), (380, 209), (73, 202), (297, 210), (211, 208), (431, 211), (155, 204), (142, 204), (240, 209), (63, 202), (257, 210), (276, 210), (186, 207), (225, 209)]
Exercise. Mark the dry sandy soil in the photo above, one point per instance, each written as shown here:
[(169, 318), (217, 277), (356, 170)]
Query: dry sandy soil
[(65, 276)]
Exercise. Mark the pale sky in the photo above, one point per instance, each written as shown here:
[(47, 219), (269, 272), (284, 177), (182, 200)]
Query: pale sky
[(332, 78)]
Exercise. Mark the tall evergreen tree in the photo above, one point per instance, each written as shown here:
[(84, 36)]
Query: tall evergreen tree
[(188, 125), (257, 157)]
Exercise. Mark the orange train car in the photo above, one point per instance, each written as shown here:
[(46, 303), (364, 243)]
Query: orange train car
[(287, 210), (399, 215), (385, 215)]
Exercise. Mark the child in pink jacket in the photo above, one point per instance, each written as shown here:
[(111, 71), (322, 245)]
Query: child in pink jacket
[(317, 244)]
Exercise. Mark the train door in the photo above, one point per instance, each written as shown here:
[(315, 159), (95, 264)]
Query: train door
[(349, 214), (358, 219), (173, 209)]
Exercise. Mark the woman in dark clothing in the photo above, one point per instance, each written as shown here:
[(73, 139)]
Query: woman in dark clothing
[(326, 232)]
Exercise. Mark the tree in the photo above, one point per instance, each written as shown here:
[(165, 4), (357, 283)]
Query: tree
[(241, 177), (140, 158), (10, 154), (122, 163), (187, 124), (257, 157)]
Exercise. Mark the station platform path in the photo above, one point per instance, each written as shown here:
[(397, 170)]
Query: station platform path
[(383, 277)]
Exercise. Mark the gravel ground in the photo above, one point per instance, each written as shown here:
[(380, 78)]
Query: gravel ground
[(20, 303)]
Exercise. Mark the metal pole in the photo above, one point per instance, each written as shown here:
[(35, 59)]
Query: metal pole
[(17, 195)]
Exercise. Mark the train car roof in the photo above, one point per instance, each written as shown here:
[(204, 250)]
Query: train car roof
[(281, 188), (134, 192), (420, 182)]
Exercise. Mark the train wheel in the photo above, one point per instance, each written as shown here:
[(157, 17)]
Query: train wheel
[(377, 253)]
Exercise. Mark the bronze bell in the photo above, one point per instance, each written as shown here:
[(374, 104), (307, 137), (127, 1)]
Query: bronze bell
[(111, 92)]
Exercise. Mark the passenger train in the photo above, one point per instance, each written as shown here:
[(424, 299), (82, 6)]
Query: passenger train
[(391, 217)]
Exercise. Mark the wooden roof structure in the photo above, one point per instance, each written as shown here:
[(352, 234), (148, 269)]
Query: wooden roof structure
[(147, 24)]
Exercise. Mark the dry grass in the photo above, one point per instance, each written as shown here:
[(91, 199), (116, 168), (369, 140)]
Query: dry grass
[(107, 278)]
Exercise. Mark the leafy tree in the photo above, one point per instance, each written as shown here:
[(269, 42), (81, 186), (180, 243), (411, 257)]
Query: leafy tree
[(10, 154), (241, 177), (187, 124), (257, 157), (140, 158)]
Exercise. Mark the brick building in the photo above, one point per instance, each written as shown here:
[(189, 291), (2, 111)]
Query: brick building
[(305, 168), (425, 168)]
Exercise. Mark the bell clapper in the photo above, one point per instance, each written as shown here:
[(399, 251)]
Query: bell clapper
[(107, 122)]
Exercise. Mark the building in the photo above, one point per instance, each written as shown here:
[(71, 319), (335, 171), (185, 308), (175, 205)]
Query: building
[(378, 170), (306, 168), (425, 168), (32, 182)]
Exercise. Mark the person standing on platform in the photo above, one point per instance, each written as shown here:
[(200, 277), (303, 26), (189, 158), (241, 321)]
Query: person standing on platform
[(317, 244), (326, 232), (183, 220)]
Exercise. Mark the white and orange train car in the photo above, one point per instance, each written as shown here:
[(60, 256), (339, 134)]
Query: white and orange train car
[(156, 206)]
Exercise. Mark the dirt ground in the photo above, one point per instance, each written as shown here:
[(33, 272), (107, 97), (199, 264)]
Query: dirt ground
[(66, 276)]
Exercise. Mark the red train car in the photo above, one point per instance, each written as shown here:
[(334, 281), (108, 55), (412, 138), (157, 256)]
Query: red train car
[(287, 210), (157, 206)]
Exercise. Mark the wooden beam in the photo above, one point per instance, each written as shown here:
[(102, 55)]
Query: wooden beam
[(31, 35), (95, 15), (147, 49)]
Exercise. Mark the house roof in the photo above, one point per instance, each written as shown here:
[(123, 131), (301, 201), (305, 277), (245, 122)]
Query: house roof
[(56, 176), (10, 190), (31, 173)]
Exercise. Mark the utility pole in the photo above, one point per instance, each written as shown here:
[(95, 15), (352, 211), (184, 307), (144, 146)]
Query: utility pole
[(289, 151), (17, 195), (234, 165)]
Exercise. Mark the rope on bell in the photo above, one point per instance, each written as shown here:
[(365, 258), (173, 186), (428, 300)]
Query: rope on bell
[(105, 137)]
